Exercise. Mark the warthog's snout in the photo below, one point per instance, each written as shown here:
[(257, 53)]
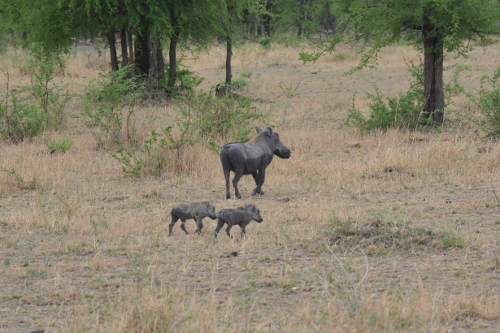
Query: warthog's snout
[(284, 153)]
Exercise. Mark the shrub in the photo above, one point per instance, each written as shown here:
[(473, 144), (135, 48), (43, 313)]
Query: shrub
[(62, 145), (489, 104), (201, 120), (238, 82), (33, 108), (386, 112), (402, 111), (453, 239), (246, 74), (109, 105), (265, 42), (21, 120)]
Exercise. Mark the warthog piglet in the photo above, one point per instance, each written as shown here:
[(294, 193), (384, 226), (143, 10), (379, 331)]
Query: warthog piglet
[(240, 216), (195, 211)]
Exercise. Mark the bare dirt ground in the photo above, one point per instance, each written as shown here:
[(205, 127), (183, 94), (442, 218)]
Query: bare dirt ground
[(383, 232)]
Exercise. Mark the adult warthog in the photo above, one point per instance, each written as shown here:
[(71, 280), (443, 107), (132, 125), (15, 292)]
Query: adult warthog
[(251, 158)]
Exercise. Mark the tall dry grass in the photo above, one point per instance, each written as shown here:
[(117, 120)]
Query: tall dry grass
[(85, 246)]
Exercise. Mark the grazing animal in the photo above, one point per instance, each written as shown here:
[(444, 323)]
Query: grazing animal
[(251, 158), (195, 211), (220, 90), (240, 216)]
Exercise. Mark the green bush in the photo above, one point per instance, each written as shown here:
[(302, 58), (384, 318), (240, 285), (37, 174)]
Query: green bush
[(221, 119), (21, 121), (188, 80), (453, 239), (489, 104), (288, 40), (33, 108), (403, 111), (265, 42), (109, 105), (238, 82), (61, 145), (201, 120), (51, 99), (246, 74), (386, 112)]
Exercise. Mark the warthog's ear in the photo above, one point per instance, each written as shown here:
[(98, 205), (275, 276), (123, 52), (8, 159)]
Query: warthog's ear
[(270, 131), (258, 129)]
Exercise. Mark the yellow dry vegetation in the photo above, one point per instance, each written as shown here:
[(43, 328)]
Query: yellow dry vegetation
[(85, 247)]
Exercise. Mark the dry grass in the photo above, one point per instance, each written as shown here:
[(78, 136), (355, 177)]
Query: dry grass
[(385, 232)]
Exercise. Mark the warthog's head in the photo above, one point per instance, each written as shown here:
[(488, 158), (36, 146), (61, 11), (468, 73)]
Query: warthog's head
[(254, 213), (278, 147), (211, 211)]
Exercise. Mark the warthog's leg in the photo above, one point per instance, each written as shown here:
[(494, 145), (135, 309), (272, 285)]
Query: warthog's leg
[(220, 224), (236, 179), (199, 225), (183, 226), (259, 180), (171, 225), (256, 178), (226, 176), (228, 229)]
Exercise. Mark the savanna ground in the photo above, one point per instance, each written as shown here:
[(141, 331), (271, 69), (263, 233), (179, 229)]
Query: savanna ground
[(379, 232)]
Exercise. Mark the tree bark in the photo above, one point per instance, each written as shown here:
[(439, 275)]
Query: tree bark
[(161, 60), (172, 52), (153, 77), (112, 51), (267, 17), (142, 53), (123, 42), (130, 42), (229, 55), (433, 76), (172, 58)]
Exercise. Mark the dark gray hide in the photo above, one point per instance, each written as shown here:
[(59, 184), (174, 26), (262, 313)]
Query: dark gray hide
[(251, 158), (240, 216), (195, 211)]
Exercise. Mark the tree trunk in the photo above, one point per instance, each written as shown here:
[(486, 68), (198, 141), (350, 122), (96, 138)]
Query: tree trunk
[(229, 55), (433, 78), (267, 17), (172, 52), (123, 42), (142, 52), (161, 60), (130, 42), (153, 77), (112, 51), (172, 58)]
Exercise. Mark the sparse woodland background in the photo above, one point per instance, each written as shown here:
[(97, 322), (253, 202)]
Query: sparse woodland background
[(383, 220)]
